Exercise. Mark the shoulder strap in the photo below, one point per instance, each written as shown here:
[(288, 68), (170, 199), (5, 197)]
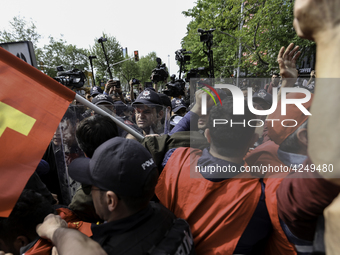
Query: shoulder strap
[(178, 240), (149, 233)]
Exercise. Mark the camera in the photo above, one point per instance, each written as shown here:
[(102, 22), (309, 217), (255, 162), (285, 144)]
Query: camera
[(160, 73), (206, 35), (71, 78), (196, 73), (101, 39), (183, 58), (113, 83), (175, 87), (181, 55), (135, 81), (148, 85)]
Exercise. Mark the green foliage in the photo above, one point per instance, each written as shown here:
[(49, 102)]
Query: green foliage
[(56, 53), (114, 55), (59, 53), (140, 70), (21, 30), (146, 65), (267, 26), (129, 69)]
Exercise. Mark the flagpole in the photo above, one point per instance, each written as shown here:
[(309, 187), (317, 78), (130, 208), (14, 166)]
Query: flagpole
[(98, 110)]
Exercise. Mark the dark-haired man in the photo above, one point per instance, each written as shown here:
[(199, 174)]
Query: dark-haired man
[(222, 211), (123, 177), (90, 134)]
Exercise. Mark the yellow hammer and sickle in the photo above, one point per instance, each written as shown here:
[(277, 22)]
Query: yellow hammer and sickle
[(14, 119)]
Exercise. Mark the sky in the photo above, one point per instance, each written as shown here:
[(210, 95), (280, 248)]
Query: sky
[(146, 26)]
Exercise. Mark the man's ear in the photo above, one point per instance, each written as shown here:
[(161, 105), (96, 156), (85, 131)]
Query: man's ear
[(160, 114), (207, 135), (302, 136), (20, 241), (111, 200)]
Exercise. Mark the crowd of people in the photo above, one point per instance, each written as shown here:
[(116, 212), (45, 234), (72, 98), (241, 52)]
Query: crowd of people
[(202, 180)]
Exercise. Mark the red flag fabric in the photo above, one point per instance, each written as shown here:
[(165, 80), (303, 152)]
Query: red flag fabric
[(31, 107)]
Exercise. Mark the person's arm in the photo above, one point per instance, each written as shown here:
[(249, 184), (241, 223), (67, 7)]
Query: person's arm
[(132, 95), (192, 115), (184, 123), (67, 240), (312, 76), (300, 207), (119, 92), (108, 86), (287, 64), (319, 21)]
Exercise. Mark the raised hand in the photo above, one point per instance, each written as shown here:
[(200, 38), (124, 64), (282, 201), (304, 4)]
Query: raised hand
[(287, 61)]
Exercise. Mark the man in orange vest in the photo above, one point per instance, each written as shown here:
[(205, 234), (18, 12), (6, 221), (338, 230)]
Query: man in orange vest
[(227, 215)]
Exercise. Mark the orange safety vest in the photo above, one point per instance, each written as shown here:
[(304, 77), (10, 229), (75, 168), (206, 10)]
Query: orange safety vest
[(44, 247), (277, 242), (217, 212)]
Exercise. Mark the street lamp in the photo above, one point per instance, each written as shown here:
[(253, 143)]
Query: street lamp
[(101, 40), (94, 80)]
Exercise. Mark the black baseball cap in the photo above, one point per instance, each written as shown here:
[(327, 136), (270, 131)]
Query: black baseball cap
[(263, 96), (102, 99), (177, 104), (95, 91), (148, 97), (120, 165), (165, 100), (120, 107)]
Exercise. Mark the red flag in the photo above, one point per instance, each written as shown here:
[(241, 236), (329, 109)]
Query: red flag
[(31, 107)]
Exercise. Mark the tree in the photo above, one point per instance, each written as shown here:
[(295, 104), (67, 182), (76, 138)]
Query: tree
[(56, 53), (114, 55), (262, 28), (140, 70), (59, 53), (21, 30), (147, 64), (129, 69)]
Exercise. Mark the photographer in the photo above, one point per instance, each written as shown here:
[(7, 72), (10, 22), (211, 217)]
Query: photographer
[(113, 87), (159, 74)]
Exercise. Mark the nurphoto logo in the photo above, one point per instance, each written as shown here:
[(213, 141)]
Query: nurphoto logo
[(238, 104)]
